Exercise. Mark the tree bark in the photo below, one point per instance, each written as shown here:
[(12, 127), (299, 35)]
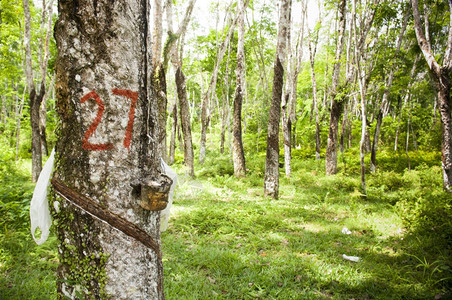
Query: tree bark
[(312, 52), (212, 85), (289, 101), (441, 76), (238, 155), (336, 103), (35, 98), (107, 153), (271, 180), (185, 122), (172, 150)]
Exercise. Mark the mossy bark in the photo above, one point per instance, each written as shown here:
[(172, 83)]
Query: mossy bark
[(102, 71)]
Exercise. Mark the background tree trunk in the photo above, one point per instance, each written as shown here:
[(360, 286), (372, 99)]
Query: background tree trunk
[(185, 122), (35, 98), (172, 150), (336, 104), (385, 100), (271, 180), (107, 150), (238, 156), (441, 76), (312, 52), (212, 85)]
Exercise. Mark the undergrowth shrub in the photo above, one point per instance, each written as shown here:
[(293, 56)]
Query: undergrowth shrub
[(423, 206)]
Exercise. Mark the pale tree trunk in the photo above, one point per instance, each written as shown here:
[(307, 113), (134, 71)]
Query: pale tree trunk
[(212, 85), (19, 111), (224, 120), (35, 98), (185, 122), (43, 126), (405, 99), (385, 100), (238, 155), (170, 52), (441, 76), (46, 25), (336, 104), (312, 52), (362, 88), (172, 150), (361, 62), (107, 167), (271, 180), (289, 101)]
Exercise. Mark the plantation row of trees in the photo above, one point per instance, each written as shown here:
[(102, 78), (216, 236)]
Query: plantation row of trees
[(318, 76), (345, 65)]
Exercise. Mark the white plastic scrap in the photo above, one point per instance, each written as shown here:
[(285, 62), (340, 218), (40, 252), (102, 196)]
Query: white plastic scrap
[(351, 258), (164, 214), (346, 231), (39, 206)]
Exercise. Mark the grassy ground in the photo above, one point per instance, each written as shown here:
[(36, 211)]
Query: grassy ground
[(226, 241)]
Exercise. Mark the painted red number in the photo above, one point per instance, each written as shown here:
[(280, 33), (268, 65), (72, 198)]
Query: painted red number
[(133, 96), (87, 145)]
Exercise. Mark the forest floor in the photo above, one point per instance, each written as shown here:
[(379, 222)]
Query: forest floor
[(225, 240)]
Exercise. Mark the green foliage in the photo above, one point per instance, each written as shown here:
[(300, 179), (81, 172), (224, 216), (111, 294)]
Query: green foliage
[(27, 271)]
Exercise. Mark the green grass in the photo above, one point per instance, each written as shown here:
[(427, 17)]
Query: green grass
[(226, 241)]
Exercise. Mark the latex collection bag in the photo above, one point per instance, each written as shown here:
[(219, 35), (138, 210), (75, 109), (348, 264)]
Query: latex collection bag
[(39, 206)]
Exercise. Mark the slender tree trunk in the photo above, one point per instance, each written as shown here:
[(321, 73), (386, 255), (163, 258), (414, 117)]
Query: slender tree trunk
[(441, 76), (43, 126), (238, 155), (271, 180), (385, 100), (108, 166), (345, 122), (212, 85), (405, 99), (312, 52), (336, 103), (172, 150), (35, 99), (224, 120), (159, 85), (19, 111), (185, 122), (289, 102)]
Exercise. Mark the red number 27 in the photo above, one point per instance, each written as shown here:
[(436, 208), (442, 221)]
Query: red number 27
[(133, 96)]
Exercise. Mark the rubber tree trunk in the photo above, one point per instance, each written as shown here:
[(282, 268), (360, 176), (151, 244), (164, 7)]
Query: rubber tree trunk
[(159, 84), (35, 98), (441, 76), (238, 155), (271, 179), (312, 52), (172, 150), (336, 104), (185, 122), (205, 115), (107, 165)]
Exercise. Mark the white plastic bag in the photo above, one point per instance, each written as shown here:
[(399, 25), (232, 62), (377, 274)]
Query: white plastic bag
[(164, 214), (346, 231), (39, 206), (351, 258)]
